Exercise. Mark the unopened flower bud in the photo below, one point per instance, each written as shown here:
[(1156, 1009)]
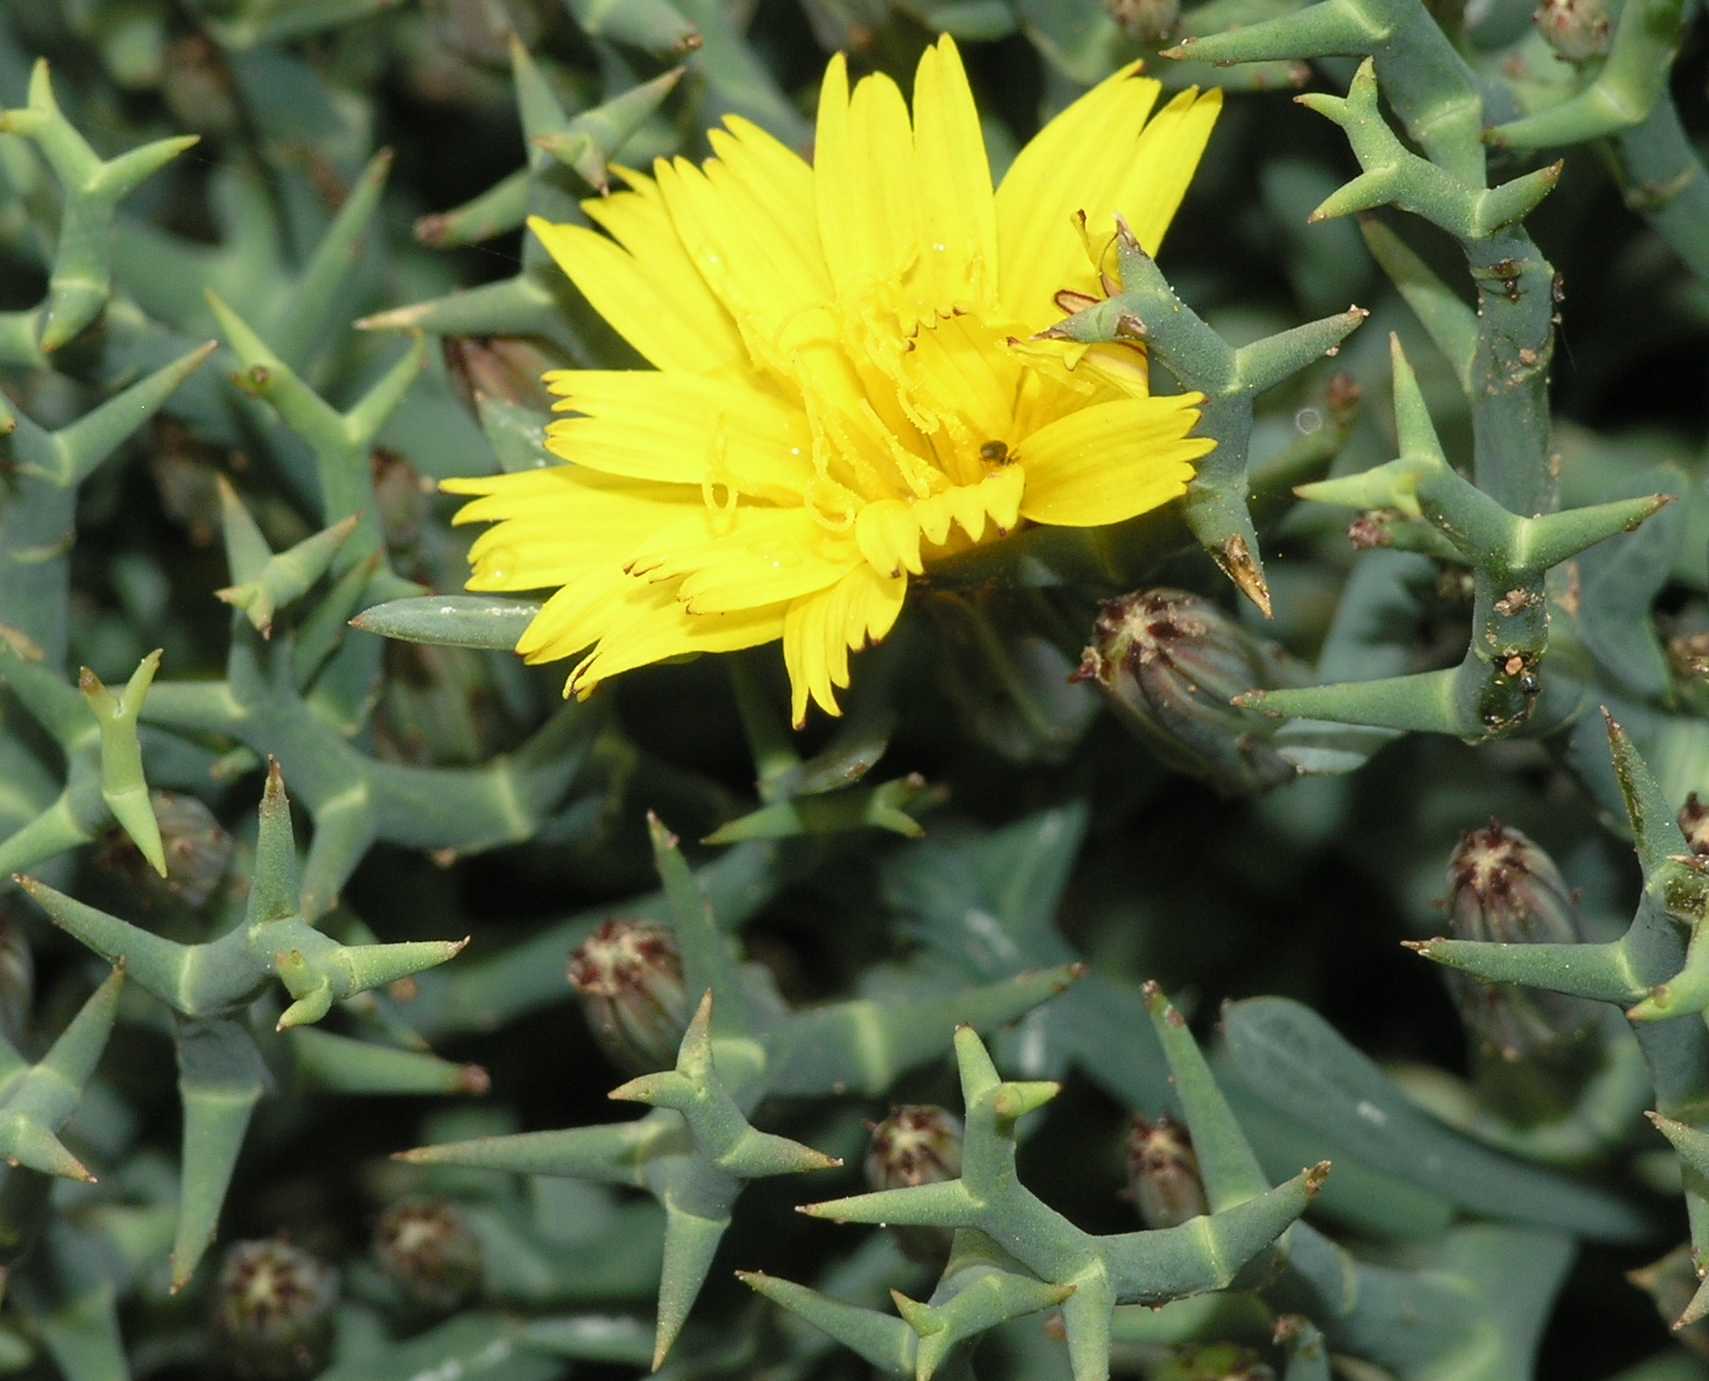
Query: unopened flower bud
[(196, 847), (1576, 29), (428, 1248), (1214, 1362), (1688, 657), (1502, 887), (17, 975), (1694, 824), (1170, 663), (1150, 21), (1163, 1173), (273, 1308), (502, 367), (400, 499), (629, 975), (919, 1143)]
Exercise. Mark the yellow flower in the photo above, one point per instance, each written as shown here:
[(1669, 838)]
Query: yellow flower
[(844, 388)]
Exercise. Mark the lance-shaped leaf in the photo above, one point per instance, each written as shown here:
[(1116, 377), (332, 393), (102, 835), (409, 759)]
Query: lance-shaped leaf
[(480, 621), (863, 1045)]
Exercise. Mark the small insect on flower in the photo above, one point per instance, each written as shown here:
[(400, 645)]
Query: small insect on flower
[(847, 380)]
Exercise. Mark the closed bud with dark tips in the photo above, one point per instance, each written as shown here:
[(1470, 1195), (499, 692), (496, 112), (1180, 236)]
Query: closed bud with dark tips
[(629, 976), (1694, 824), (1502, 887), (919, 1143), (428, 1248), (1163, 1173), (273, 1308), (1170, 664)]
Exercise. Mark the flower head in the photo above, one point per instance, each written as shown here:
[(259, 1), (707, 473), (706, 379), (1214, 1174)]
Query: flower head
[(845, 384)]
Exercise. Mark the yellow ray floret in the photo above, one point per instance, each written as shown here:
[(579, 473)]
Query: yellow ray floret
[(844, 383)]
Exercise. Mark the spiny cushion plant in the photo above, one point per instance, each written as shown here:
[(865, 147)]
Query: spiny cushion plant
[(1373, 514)]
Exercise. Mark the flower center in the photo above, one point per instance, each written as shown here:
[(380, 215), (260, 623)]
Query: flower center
[(900, 414)]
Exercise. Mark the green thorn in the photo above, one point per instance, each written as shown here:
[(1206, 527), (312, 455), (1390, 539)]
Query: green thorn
[(878, 1339), (246, 550), (26, 1142), (1417, 433), (273, 882), (1227, 1164), (122, 785), (1424, 703), (614, 1153), (973, 1061), (589, 142), (1448, 320), (157, 964), (1692, 1143), (690, 1244), (286, 577), (946, 1204), (220, 1079), (1599, 972), (654, 25)]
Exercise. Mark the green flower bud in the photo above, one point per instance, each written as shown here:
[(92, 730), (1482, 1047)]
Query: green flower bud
[(919, 1143), (1503, 888), (428, 1248), (273, 1308), (1170, 663), (506, 368), (1214, 1362), (199, 89), (1163, 1173), (1576, 29), (1149, 21), (1694, 824), (401, 498), (196, 847), (629, 975)]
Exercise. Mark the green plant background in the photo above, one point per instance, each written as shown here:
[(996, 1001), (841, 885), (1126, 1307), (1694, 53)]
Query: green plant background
[(232, 365)]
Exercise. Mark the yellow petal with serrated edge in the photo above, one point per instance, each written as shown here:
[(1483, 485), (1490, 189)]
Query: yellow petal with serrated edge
[(819, 631), (957, 212), (864, 183), (682, 429), (646, 288), (1074, 163), (1110, 461), (645, 624), (746, 558)]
